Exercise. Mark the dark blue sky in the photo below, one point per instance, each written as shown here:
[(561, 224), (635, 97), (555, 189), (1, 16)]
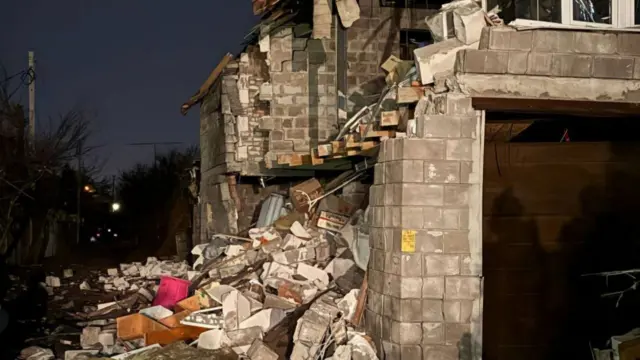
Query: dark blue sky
[(131, 62)]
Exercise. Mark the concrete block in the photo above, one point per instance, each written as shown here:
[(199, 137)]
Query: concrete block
[(67, 273), (456, 242), (312, 273), (52, 281), (459, 149), (73, 354), (411, 217), (410, 287), (438, 126), (427, 241), (156, 312), (438, 57), (481, 61), (438, 264), (433, 287), (505, 38), (442, 172), (456, 195), (113, 272), (539, 64), (569, 65), (90, 337), (260, 351), (410, 264), (455, 333), (236, 308), (452, 311), (403, 310), (211, 340), (432, 310), (636, 70), (613, 67), (311, 328), (552, 41), (432, 333), (404, 171), (107, 338), (463, 288), (406, 333), (421, 194), (629, 44), (517, 63), (591, 42), (241, 337), (468, 22), (266, 319), (441, 353), (293, 256)]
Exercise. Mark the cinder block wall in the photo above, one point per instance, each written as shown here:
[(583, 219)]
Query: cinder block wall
[(553, 212), (426, 257)]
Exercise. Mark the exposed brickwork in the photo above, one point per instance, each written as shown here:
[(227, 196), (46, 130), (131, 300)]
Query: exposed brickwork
[(558, 53), (421, 304)]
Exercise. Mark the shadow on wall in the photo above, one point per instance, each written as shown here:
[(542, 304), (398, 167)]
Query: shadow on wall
[(537, 303)]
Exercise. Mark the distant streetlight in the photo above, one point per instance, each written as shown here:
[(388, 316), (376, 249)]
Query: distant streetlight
[(115, 207)]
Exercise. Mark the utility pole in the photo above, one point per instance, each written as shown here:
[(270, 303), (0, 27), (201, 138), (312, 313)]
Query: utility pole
[(79, 191), (32, 99), (32, 118)]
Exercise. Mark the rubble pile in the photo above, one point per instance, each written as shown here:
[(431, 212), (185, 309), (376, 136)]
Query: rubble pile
[(290, 289)]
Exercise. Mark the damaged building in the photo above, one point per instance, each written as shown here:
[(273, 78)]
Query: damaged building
[(496, 136)]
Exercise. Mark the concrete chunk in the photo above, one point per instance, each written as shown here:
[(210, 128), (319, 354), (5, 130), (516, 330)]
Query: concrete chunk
[(235, 309), (265, 319), (439, 57), (156, 312), (73, 354), (260, 351), (52, 281), (90, 337), (312, 273)]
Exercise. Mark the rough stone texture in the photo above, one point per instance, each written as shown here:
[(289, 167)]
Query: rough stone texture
[(424, 301)]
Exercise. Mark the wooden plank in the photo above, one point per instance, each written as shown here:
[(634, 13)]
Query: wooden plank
[(173, 321), (135, 326), (315, 159), (337, 146), (166, 337), (213, 76), (389, 118), (409, 94), (375, 133), (284, 159), (191, 303), (300, 159), (325, 150)]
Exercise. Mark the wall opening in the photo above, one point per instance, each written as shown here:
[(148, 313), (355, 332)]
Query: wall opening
[(560, 201)]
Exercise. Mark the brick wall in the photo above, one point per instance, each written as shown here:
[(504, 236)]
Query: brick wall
[(553, 212)]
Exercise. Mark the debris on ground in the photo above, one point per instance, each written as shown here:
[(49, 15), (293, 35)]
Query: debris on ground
[(242, 297)]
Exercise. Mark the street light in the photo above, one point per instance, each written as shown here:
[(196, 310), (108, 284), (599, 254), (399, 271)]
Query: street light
[(115, 207)]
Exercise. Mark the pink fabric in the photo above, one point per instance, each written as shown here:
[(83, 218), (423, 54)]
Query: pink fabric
[(170, 291)]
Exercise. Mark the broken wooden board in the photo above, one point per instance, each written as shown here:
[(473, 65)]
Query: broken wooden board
[(409, 94), (370, 133), (389, 118), (135, 326), (325, 150), (170, 336), (173, 321), (191, 303)]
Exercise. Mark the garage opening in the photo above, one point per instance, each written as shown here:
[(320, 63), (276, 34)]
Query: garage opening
[(561, 203)]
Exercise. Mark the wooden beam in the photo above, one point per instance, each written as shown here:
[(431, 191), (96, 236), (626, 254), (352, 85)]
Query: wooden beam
[(591, 108), (375, 133), (204, 88), (409, 94)]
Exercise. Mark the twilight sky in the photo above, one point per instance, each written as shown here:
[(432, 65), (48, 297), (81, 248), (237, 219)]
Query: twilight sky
[(131, 62)]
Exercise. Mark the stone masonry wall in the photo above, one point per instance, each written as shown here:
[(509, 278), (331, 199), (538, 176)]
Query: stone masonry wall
[(424, 290)]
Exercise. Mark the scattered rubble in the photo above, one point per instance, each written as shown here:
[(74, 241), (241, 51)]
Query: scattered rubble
[(237, 295)]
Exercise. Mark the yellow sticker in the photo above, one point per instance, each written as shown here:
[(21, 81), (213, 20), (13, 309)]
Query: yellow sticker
[(408, 241)]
